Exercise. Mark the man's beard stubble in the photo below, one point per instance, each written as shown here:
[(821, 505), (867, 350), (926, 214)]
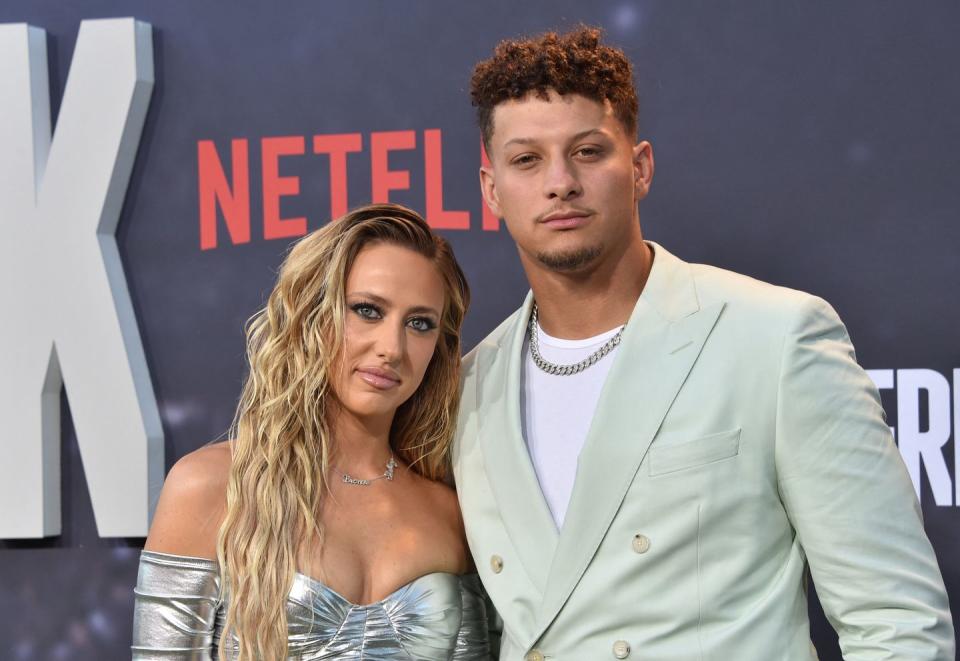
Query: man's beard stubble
[(570, 260)]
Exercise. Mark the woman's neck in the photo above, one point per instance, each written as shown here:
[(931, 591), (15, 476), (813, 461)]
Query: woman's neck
[(360, 444)]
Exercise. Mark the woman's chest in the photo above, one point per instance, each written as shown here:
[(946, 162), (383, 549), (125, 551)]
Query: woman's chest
[(368, 552)]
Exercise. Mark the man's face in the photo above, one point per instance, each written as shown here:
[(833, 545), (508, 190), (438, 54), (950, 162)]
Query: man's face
[(566, 177)]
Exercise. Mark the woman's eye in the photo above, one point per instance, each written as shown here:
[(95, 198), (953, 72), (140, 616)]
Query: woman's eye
[(366, 311), (421, 324)]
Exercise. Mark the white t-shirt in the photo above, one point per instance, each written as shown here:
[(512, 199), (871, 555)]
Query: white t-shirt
[(557, 412)]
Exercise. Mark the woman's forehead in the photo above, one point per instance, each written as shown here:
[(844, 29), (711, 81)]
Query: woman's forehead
[(397, 275)]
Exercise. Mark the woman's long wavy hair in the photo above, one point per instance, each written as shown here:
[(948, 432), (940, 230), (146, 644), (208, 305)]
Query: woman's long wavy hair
[(281, 448)]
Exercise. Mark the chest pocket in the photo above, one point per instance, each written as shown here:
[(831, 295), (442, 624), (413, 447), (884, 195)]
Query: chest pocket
[(683, 456)]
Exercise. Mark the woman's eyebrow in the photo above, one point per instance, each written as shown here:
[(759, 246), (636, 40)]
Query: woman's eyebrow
[(369, 296), (423, 309), (380, 300)]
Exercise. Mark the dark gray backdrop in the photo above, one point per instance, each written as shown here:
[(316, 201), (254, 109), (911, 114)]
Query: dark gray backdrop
[(813, 145)]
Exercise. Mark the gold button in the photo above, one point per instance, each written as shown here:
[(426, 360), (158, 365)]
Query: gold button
[(641, 543), (621, 649), (534, 655), (496, 564)]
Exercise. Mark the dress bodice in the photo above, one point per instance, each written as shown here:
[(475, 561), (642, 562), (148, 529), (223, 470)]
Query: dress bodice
[(180, 609)]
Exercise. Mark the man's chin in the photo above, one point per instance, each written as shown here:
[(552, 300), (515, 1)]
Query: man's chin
[(569, 261)]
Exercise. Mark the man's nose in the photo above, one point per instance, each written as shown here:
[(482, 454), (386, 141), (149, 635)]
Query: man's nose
[(561, 180)]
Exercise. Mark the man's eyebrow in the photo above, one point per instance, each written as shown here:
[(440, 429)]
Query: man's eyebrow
[(579, 136), (519, 141), (589, 132), (381, 301)]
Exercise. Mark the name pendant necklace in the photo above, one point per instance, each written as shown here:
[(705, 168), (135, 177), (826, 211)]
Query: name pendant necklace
[(362, 482)]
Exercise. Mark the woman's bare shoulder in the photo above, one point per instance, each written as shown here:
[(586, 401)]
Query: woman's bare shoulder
[(192, 504), (446, 497), (445, 506)]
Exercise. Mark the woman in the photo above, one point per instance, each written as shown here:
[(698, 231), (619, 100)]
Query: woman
[(324, 530)]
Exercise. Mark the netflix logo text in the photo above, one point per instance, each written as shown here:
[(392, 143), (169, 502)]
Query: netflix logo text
[(225, 176)]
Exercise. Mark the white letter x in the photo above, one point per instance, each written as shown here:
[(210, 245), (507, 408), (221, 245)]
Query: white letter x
[(66, 312)]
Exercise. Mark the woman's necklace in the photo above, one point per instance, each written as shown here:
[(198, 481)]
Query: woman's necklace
[(387, 475)]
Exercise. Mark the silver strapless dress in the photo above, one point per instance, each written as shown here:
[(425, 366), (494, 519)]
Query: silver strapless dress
[(179, 614)]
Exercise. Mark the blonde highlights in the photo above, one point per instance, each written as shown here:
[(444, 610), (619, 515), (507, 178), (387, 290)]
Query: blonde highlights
[(281, 448)]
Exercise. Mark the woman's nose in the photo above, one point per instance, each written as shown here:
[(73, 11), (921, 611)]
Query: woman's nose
[(391, 341)]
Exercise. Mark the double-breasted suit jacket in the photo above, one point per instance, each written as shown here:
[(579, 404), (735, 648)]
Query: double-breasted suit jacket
[(735, 444)]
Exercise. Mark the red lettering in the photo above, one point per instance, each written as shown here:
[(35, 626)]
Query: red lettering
[(438, 217), (384, 179), (490, 222), (214, 190), (338, 146), (275, 187)]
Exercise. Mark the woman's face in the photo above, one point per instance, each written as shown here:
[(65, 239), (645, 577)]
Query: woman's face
[(394, 298)]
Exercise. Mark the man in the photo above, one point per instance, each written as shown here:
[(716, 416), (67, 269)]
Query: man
[(651, 453)]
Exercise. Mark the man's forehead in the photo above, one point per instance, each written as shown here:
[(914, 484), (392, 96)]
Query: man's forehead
[(516, 119), (552, 98)]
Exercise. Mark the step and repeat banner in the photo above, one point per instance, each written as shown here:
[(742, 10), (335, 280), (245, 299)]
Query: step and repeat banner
[(157, 159)]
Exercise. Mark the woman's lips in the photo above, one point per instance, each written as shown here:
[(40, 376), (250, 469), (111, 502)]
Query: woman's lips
[(378, 378)]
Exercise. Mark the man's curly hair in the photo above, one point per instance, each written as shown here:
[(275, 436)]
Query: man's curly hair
[(571, 63)]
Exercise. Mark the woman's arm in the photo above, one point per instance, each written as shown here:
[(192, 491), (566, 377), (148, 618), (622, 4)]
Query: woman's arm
[(176, 608), (178, 596), (192, 504)]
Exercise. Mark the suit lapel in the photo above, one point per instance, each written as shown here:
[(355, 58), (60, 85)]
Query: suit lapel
[(662, 340), (508, 467)]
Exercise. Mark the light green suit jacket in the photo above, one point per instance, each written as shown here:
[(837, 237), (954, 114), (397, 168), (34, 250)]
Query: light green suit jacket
[(736, 442)]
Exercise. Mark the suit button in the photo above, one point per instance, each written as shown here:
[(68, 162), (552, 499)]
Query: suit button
[(641, 543), (533, 655), (621, 649), (496, 564)]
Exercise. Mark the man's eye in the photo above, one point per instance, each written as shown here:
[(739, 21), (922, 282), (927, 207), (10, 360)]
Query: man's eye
[(589, 152), (421, 324), (525, 159)]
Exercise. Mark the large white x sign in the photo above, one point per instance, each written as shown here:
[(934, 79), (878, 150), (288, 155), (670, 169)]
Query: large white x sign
[(65, 311)]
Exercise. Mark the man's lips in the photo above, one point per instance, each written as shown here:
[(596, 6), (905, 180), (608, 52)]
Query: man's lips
[(562, 220), (378, 378)]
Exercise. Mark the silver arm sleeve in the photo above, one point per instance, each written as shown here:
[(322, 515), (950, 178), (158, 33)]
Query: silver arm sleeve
[(473, 638), (176, 607)]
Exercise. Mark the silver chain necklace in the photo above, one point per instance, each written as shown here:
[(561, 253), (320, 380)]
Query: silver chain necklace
[(566, 370), (388, 475)]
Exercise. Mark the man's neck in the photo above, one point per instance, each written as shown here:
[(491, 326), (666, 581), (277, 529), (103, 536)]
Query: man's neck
[(581, 305)]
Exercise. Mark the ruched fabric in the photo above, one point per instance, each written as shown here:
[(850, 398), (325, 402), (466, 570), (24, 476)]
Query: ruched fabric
[(180, 610)]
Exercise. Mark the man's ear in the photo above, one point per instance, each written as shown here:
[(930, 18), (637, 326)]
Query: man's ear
[(489, 189), (642, 168)]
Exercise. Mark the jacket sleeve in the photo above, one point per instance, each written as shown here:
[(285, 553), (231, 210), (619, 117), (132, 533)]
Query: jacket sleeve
[(176, 604), (848, 496)]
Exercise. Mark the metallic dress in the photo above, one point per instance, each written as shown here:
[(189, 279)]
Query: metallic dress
[(180, 612)]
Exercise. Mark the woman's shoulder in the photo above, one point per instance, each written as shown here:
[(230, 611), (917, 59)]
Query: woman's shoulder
[(192, 504), (441, 501), (443, 498)]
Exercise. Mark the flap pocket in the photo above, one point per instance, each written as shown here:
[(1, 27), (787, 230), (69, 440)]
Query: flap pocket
[(704, 450)]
